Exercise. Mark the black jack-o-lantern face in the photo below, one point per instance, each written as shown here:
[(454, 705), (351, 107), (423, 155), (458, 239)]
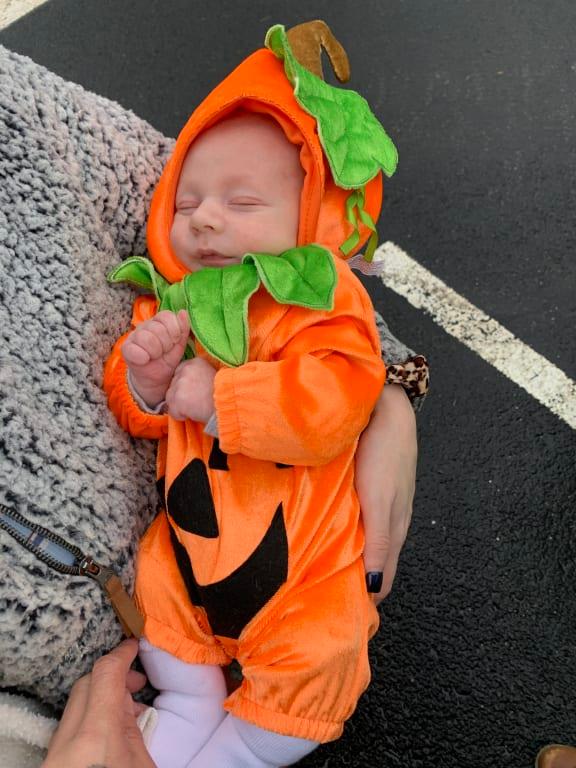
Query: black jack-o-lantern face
[(233, 600)]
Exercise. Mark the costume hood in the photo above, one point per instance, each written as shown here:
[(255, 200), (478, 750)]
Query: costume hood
[(343, 148)]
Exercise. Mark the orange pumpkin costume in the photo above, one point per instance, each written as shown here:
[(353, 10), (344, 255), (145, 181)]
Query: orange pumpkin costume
[(256, 555)]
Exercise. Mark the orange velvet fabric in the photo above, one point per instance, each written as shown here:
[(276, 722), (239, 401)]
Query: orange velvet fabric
[(289, 421)]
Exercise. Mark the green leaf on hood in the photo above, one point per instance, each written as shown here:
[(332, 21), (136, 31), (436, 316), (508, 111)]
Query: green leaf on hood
[(355, 143), (304, 276), (217, 302)]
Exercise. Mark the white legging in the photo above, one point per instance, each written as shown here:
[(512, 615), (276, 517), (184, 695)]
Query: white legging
[(193, 729)]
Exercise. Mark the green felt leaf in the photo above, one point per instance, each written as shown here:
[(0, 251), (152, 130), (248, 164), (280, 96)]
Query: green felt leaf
[(355, 213), (216, 299), (355, 143), (304, 276), (139, 271), (174, 298), (217, 302)]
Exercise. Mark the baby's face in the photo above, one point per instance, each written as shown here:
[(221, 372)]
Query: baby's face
[(239, 192)]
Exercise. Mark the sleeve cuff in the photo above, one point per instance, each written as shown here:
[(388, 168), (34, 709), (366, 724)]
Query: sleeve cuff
[(413, 375), (225, 410), (211, 427), (156, 411)]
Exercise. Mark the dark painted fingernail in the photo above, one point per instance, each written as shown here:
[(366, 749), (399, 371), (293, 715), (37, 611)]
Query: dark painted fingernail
[(374, 581)]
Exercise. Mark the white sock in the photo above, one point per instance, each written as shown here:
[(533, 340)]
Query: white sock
[(238, 744), (189, 705)]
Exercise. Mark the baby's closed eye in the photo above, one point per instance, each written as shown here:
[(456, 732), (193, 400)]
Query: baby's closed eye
[(246, 202), (186, 207)]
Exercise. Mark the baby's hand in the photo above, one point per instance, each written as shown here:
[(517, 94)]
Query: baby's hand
[(191, 393), (153, 351)]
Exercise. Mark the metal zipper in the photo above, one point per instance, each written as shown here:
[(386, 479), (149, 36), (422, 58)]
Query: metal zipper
[(49, 547), (66, 558)]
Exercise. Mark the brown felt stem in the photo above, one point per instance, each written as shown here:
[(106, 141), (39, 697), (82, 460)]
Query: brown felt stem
[(307, 41)]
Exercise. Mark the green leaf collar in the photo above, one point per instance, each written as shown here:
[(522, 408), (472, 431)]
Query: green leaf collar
[(217, 298)]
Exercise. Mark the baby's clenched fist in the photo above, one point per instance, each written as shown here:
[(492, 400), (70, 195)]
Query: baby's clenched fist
[(191, 393), (153, 351)]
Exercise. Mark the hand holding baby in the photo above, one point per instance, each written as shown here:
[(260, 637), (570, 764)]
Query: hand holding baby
[(153, 354)]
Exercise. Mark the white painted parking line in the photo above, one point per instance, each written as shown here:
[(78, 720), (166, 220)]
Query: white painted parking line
[(11, 10), (481, 333)]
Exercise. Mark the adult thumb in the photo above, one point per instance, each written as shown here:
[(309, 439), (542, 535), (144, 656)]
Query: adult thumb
[(376, 547)]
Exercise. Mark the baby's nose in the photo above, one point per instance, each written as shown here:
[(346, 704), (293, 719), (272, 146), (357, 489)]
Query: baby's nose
[(207, 215)]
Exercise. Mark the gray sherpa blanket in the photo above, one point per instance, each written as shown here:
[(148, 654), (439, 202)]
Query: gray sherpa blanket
[(76, 175)]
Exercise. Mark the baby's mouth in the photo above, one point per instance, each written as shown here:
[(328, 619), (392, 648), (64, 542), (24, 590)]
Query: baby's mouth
[(208, 257)]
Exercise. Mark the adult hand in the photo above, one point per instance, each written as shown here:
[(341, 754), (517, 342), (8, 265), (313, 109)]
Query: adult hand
[(191, 392), (385, 481), (98, 727)]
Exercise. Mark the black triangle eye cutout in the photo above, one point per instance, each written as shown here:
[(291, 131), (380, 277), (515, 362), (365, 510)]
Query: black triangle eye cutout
[(218, 459), (190, 502)]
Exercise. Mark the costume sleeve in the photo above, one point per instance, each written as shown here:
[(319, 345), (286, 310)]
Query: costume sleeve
[(315, 396), (129, 415)]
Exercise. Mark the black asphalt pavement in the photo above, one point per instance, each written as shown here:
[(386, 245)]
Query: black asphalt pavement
[(475, 662)]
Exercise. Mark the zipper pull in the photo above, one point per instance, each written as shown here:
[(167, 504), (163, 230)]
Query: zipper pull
[(66, 558), (125, 608)]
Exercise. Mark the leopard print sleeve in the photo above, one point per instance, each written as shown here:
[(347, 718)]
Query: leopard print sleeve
[(403, 366)]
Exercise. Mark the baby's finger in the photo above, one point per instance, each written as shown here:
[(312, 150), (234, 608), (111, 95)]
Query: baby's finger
[(169, 337), (150, 339), (173, 410), (171, 323), (134, 354), (174, 356), (184, 322), (174, 402)]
